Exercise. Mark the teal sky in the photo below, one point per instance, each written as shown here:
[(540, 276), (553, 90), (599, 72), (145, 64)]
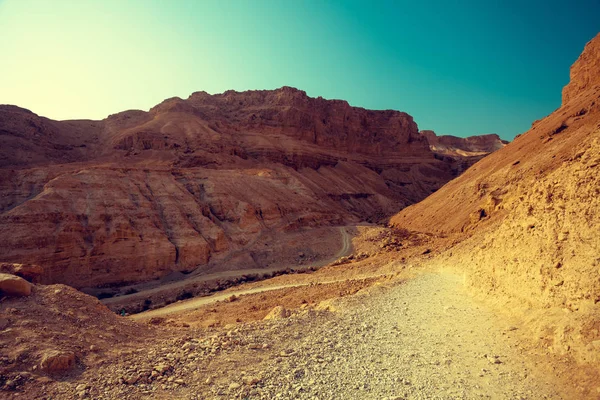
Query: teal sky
[(458, 67)]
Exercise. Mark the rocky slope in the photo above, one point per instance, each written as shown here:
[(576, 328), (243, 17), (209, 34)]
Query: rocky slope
[(528, 222), (194, 182), (57, 331)]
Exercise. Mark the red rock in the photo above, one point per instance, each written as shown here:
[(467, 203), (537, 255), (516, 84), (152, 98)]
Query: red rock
[(140, 194), (480, 145), (57, 362), (30, 272), (12, 285)]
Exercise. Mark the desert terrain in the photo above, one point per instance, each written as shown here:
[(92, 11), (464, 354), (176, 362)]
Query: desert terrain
[(266, 244)]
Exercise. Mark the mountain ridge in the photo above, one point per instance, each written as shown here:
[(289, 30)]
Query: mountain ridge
[(190, 183)]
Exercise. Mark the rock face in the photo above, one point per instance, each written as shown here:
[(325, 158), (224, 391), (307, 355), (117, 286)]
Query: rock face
[(461, 153), (527, 217), (585, 72), (12, 285), (471, 146), (195, 182)]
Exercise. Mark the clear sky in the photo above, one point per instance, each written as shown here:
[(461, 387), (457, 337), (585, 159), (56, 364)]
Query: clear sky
[(459, 67)]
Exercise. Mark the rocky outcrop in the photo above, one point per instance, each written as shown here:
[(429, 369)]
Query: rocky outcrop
[(196, 182), (585, 72), (30, 272)]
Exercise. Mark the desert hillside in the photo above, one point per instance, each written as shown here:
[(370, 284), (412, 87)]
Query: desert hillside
[(212, 182), (527, 219), (485, 289), (371, 237)]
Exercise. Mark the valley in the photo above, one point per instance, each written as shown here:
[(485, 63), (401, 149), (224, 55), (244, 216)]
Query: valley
[(267, 244)]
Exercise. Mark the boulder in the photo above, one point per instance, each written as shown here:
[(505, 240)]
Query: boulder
[(278, 312), (12, 285), (56, 362)]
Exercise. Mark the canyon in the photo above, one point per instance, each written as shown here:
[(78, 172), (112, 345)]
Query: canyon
[(452, 268), (206, 184)]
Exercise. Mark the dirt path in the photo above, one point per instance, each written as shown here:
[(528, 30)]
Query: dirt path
[(345, 249), (424, 339), (191, 304)]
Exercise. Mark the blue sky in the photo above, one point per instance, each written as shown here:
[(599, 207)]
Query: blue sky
[(459, 67)]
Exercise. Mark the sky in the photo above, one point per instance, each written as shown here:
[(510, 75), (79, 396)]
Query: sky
[(458, 67)]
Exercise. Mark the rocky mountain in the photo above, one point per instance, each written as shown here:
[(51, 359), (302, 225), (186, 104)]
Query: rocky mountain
[(459, 152), (198, 181), (526, 218), (480, 145)]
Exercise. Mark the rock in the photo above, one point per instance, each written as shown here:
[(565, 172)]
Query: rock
[(56, 362), (30, 272), (521, 191), (81, 387), (232, 298), (585, 72), (234, 386), (250, 380), (162, 368), (12, 285), (278, 312), (494, 359)]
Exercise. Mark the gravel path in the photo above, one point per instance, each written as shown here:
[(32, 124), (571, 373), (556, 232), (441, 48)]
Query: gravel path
[(424, 339), (421, 339)]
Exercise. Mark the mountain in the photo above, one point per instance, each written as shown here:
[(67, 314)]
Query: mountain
[(480, 145), (459, 152), (197, 182), (526, 219)]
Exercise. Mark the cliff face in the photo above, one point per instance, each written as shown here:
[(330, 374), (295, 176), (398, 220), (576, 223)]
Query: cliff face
[(527, 218), (192, 182), (461, 153), (470, 146), (585, 72)]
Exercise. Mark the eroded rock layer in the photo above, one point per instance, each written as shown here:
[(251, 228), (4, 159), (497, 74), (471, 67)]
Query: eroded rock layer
[(142, 194)]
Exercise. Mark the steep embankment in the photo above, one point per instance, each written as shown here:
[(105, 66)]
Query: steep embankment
[(200, 182), (528, 219)]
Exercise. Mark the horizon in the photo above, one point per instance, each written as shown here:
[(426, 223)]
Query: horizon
[(490, 70)]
